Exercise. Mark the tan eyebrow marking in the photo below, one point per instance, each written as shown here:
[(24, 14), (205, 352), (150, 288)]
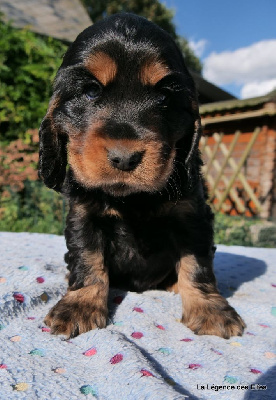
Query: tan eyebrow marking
[(102, 66), (153, 71)]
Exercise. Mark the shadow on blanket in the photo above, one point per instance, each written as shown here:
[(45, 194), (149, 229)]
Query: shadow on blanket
[(264, 387), (232, 270), (159, 368)]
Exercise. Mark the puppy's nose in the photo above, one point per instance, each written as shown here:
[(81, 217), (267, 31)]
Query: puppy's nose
[(124, 160)]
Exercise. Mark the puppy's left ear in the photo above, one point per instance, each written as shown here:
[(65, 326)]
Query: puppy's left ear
[(52, 150), (193, 160), (194, 144)]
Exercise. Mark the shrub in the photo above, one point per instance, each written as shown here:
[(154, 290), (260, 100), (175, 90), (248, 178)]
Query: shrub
[(233, 230), (33, 209), (28, 63)]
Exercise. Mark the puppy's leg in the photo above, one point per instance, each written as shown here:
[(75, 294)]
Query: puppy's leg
[(205, 311), (84, 307)]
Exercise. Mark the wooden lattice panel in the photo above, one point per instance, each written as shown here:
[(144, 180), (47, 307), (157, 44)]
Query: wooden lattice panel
[(230, 190)]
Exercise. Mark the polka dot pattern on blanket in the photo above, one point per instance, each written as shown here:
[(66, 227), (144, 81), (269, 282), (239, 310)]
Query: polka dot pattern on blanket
[(145, 351)]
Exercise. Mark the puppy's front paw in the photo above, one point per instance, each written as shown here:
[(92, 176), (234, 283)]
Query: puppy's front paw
[(74, 315), (217, 318)]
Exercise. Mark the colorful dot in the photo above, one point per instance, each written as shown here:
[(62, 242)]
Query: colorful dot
[(23, 268), (137, 335), (273, 285), (46, 329), (145, 372), (118, 299), (230, 379), (250, 333), (15, 338), (37, 352), (40, 279), (160, 327), (3, 366), (264, 325), (90, 352), (88, 389), (59, 370), (157, 300), (119, 323), (21, 386), (194, 366), (186, 340), (31, 318), (237, 344), (273, 311), (138, 309), (116, 359), (255, 371), (2, 279), (165, 350), (269, 354), (19, 297), (2, 326)]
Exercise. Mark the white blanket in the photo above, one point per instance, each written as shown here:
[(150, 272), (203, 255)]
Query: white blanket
[(145, 352)]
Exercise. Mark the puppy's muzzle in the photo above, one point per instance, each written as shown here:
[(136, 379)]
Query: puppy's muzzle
[(124, 159)]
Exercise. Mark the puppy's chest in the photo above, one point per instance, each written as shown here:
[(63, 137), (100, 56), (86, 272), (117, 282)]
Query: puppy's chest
[(144, 235), (136, 243)]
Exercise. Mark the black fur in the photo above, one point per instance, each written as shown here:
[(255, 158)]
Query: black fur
[(142, 233)]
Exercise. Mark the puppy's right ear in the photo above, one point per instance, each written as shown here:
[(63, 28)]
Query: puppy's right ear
[(52, 150)]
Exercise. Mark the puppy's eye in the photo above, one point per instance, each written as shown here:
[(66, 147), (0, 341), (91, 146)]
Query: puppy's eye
[(93, 91), (162, 100)]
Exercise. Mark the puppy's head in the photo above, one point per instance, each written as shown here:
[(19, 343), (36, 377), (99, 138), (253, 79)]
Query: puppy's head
[(124, 108)]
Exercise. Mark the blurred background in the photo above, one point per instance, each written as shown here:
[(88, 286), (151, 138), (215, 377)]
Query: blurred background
[(230, 49)]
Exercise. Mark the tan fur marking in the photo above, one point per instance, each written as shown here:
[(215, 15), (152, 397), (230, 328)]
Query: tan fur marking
[(54, 102), (102, 66), (78, 311), (88, 156), (152, 72), (95, 264), (83, 309), (111, 212), (194, 301), (205, 313), (173, 288), (95, 259)]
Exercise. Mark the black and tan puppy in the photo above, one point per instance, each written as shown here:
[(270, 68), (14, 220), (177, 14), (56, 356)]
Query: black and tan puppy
[(124, 115)]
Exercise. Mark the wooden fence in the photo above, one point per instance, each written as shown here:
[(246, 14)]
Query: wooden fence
[(230, 190)]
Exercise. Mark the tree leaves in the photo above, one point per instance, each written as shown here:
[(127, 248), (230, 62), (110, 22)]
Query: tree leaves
[(28, 64)]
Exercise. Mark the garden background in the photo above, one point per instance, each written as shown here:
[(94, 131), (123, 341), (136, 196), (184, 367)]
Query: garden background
[(28, 64)]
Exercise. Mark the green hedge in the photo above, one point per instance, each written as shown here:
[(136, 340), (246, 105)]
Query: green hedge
[(35, 209), (28, 64)]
